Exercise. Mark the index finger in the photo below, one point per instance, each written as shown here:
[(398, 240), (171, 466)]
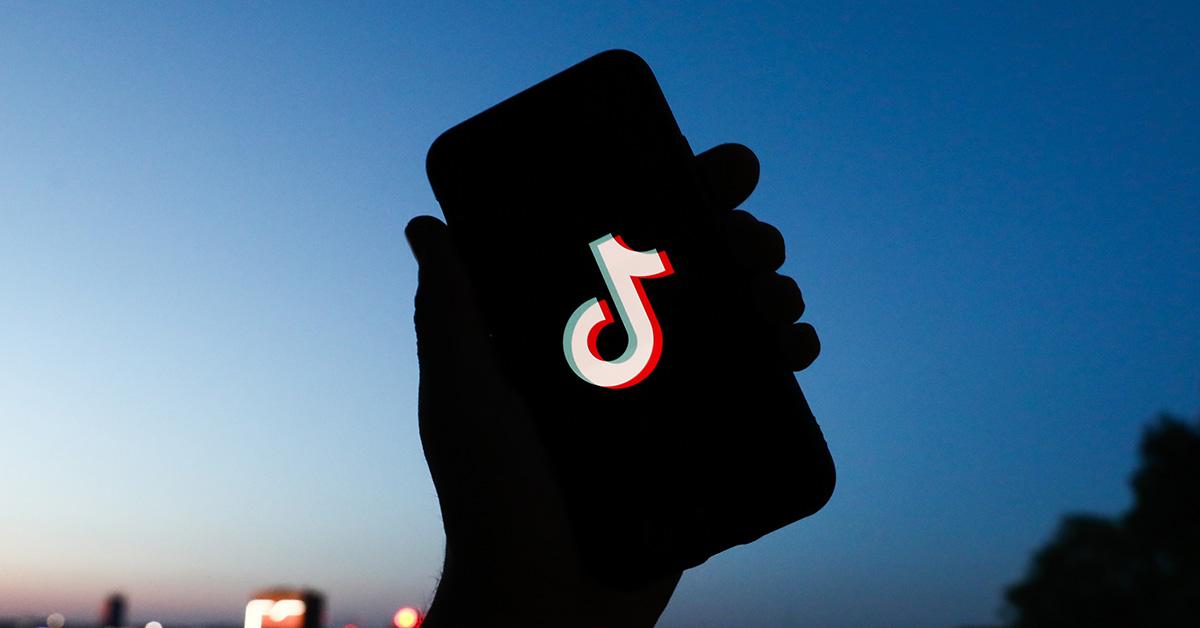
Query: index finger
[(730, 171)]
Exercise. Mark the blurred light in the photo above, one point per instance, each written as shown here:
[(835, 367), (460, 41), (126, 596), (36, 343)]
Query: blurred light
[(255, 609), (153, 624), (276, 610), (286, 608), (55, 620), (406, 617), (351, 625)]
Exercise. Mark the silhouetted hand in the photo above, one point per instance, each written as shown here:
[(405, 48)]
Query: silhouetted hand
[(510, 558)]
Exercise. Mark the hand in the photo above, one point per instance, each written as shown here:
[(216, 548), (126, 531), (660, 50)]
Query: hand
[(510, 558)]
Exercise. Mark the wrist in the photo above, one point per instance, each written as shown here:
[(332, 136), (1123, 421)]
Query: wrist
[(479, 589), (487, 589)]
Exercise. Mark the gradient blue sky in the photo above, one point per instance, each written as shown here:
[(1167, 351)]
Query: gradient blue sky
[(207, 370)]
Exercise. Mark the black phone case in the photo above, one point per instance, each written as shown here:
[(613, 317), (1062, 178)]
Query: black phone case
[(717, 445)]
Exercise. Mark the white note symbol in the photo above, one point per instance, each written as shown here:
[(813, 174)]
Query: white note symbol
[(623, 269)]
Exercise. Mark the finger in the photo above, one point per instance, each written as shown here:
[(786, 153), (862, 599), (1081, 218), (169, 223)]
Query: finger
[(461, 392), (800, 345), (449, 327), (777, 298), (426, 237), (444, 299), (730, 172), (755, 245)]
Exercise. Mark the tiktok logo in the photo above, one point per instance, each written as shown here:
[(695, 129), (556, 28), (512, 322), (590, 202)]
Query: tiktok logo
[(623, 269)]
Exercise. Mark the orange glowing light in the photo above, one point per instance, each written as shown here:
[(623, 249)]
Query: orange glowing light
[(281, 613), (406, 618)]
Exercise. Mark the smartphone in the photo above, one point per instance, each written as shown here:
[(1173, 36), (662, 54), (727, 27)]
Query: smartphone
[(673, 424)]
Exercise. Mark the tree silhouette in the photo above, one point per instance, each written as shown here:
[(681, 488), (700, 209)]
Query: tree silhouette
[(1139, 570)]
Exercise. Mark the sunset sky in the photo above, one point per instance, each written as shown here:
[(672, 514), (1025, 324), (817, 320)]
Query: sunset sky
[(207, 365)]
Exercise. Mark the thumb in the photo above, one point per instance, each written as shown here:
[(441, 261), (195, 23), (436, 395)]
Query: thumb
[(450, 330), (467, 415)]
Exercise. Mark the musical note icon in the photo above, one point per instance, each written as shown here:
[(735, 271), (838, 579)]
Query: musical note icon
[(623, 269)]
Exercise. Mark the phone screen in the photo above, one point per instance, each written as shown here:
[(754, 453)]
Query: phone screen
[(674, 427)]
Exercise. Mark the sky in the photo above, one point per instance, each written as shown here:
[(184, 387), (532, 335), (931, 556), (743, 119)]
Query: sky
[(207, 365)]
